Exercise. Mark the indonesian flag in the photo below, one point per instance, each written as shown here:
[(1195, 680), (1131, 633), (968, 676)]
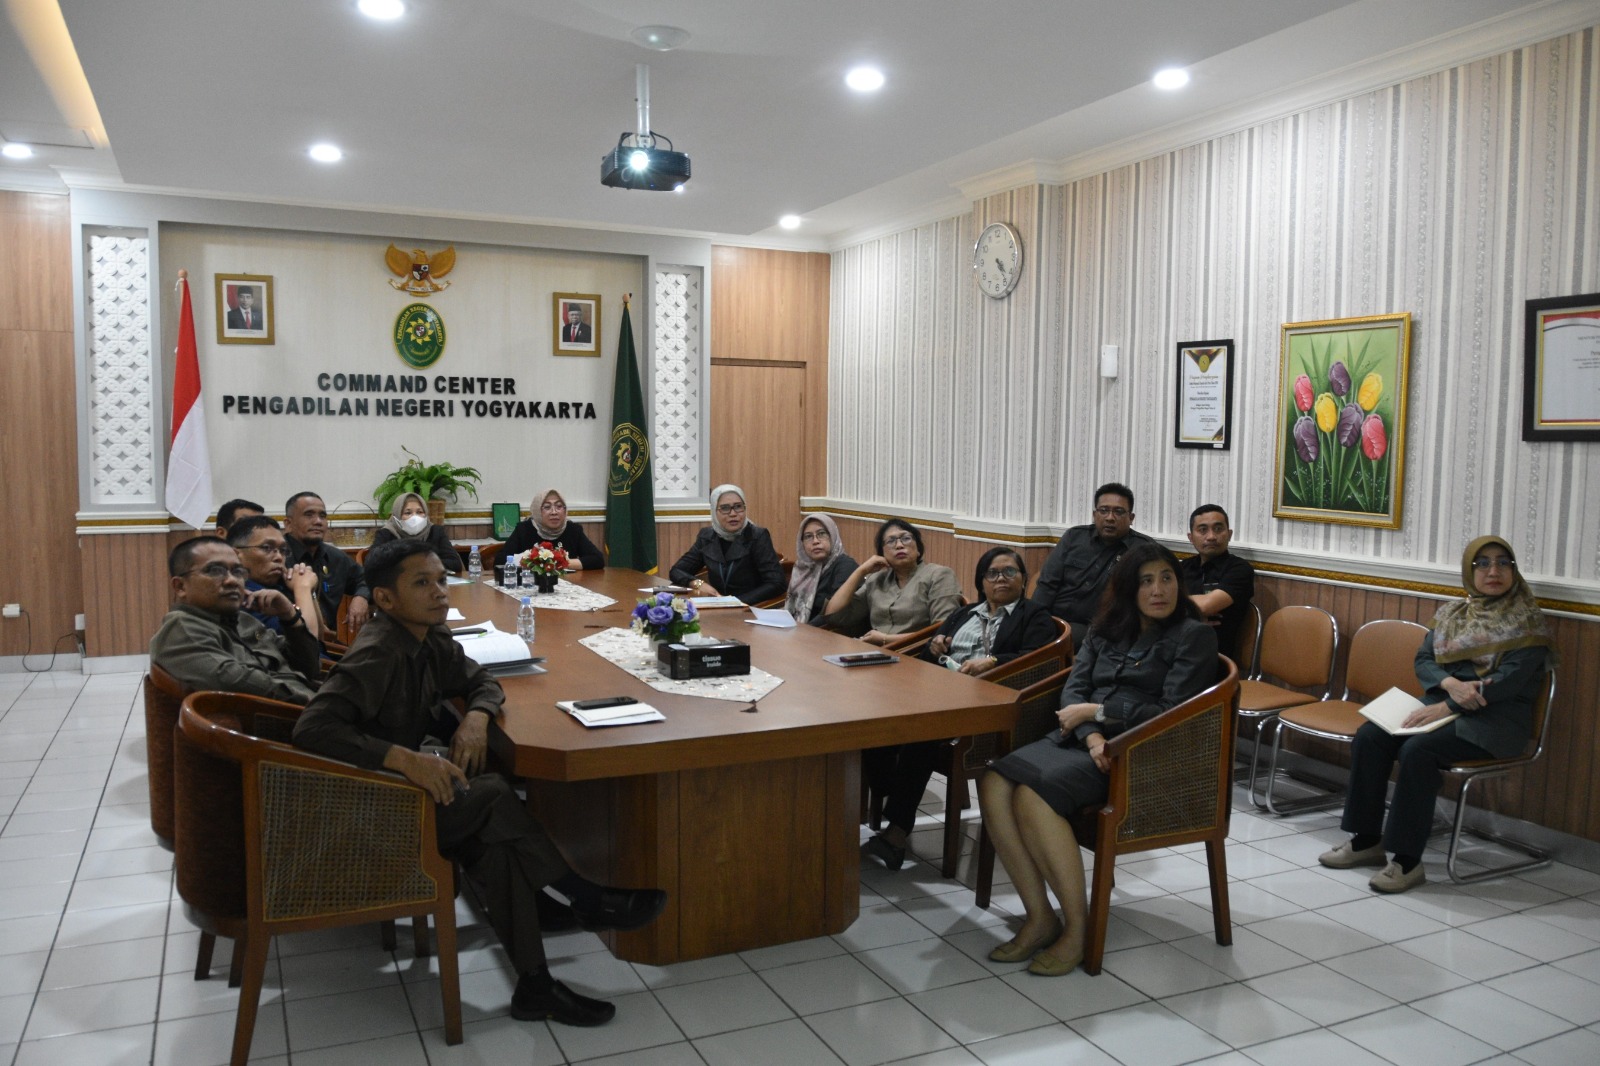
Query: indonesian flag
[(189, 462)]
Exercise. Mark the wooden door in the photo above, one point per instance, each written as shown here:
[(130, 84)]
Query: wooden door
[(758, 440)]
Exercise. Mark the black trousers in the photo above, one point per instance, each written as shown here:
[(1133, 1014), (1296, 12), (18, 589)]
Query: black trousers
[(1421, 757), (899, 773), (508, 856)]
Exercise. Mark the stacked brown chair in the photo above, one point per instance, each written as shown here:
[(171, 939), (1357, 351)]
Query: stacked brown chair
[(1298, 646), (1171, 783), (163, 695), (1485, 769), (273, 840), (1382, 656)]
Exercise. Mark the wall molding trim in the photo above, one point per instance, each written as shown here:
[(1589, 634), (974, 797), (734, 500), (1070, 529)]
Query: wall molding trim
[(1578, 599)]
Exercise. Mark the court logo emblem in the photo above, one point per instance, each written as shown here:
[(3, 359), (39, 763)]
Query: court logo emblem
[(419, 335), (630, 454)]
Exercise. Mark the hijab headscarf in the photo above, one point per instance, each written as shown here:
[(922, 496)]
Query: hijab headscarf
[(1481, 628), (399, 505), (807, 572), (716, 525), (537, 516)]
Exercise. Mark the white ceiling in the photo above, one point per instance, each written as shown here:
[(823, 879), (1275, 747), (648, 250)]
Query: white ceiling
[(503, 108)]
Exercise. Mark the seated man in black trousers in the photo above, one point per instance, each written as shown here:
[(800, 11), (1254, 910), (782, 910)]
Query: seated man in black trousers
[(382, 703)]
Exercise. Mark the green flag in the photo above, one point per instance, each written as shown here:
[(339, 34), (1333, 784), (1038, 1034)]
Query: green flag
[(630, 492)]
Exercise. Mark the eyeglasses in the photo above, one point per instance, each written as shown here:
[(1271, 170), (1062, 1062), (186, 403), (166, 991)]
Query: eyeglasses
[(816, 534), (896, 541), (1111, 512), (220, 572), (552, 505), (1002, 573), (268, 549), (1494, 564), (730, 508)]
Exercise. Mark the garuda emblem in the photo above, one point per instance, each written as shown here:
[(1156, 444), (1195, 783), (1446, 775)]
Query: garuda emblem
[(418, 271)]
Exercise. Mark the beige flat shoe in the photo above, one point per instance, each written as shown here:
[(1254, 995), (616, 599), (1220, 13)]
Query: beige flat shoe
[(1045, 964), (1015, 951)]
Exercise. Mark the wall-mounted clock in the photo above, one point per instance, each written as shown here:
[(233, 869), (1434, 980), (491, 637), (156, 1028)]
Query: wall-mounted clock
[(997, 260)]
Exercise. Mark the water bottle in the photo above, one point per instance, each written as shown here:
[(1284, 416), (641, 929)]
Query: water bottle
[(525, 621), (475, 564)]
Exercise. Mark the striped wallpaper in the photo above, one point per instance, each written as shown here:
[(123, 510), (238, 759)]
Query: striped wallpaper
[(1455, 196)]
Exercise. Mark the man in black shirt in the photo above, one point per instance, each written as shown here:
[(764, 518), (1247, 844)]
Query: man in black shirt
[(1077, 570), (386, 699), (1220, 583), (338, 575)]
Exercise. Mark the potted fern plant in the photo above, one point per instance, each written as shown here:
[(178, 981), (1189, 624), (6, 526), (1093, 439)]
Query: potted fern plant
[(432, 481)]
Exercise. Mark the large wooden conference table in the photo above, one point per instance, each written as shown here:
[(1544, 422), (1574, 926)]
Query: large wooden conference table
[(749, 820)]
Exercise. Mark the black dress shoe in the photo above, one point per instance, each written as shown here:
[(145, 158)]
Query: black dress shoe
[(892, 857), (621, 908), (554, 916), (558, 1003)]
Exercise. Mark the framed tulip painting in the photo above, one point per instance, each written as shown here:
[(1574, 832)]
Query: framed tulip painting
[(1342, 420)]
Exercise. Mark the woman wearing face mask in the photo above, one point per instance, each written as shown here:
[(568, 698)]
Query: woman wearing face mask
[(547, 521), (1146, 652), (821, 568), (978, 637), (1483, 658), (408, 520), (736, 554)]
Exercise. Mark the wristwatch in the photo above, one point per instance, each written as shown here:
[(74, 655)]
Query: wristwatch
[(1100, 712), (696, 583)]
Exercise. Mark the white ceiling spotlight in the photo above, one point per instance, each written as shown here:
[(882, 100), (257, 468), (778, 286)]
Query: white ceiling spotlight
[(864, 79), (325, 153), (789, 221), (659, 38), (381, 10), (13, 150), (1171, 78)]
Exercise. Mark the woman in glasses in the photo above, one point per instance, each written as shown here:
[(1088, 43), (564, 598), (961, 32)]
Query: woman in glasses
[(408, 520), (547, 523), (1483, 659), (736, 554), (999, 627), (1146, 652), (894, 592), (821, 566)]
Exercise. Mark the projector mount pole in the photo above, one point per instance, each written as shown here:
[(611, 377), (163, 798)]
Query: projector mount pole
[(643, 137)]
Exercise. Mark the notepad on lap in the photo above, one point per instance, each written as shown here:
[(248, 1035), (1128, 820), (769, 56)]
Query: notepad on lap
[(1394, 707), (627, 714)]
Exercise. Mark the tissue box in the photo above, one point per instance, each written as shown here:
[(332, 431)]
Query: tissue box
[(719, 658)]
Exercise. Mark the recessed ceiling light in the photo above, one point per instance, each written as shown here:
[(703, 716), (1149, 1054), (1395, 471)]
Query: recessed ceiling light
[(864, 79), (383, 10), (659, 38), (789, 221), (326, 153), (13, 150), (1171, 78)]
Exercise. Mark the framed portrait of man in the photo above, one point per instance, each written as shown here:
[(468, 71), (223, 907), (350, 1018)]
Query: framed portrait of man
[(577, 323), (244, 309)]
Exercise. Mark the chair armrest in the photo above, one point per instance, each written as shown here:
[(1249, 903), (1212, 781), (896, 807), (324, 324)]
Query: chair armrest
[(1027, 668), (904, 641)]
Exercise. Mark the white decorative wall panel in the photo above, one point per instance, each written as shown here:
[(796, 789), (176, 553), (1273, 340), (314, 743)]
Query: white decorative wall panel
[(1456, 197), (121, 419), (678, 382)]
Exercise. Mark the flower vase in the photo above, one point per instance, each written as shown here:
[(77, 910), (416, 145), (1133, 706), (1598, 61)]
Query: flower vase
[(546, 582)]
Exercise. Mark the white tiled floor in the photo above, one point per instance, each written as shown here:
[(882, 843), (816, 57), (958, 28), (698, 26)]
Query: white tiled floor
[(96, 957)]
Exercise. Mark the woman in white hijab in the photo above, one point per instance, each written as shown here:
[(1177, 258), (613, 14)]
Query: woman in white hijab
[(408, 520), (736, 554), (547, 523)]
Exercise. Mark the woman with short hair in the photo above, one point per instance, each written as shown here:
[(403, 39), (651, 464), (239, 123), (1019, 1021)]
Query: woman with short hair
[(894, 592)]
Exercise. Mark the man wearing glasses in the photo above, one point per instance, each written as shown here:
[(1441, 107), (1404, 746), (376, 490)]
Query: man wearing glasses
[(207, 641), (1077, 570), (264, 551)]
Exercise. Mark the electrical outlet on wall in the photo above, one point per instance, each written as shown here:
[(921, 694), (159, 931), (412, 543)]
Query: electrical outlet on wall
[(13, 610)]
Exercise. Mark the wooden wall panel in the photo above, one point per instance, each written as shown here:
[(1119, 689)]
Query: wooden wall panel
[(758, 413), (39, 446), (124, 575)]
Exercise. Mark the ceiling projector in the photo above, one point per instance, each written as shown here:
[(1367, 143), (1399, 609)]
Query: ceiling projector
[(634, 166)]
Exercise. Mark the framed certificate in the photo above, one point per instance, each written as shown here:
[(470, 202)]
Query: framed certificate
[(1205, 395), (1561, 369)]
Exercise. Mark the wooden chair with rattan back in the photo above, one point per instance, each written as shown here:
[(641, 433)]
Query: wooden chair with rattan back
[(1171, 783), (788, 572), (273, 840), (1382, 656), (163, 695)]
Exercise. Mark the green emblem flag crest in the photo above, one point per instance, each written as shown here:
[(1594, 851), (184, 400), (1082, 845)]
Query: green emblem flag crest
[(630, 489), (419, 335)]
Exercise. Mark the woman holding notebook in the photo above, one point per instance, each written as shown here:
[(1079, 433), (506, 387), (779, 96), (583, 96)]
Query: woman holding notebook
[(1482, 660)]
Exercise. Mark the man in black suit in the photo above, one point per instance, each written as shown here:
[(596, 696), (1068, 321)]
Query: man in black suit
[(245, 316), (576, 331)]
